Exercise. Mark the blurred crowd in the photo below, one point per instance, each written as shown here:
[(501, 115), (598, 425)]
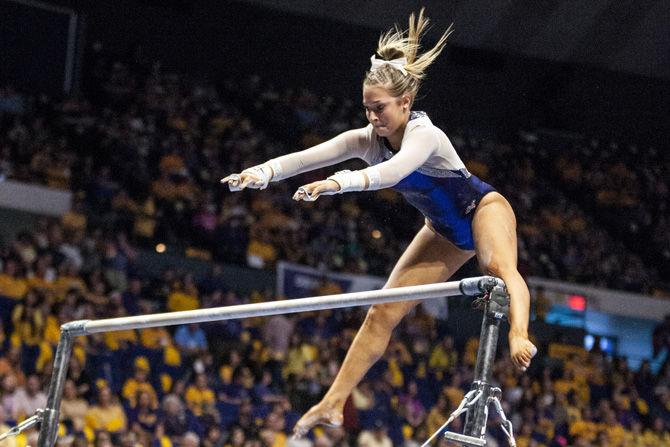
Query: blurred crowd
[(245, 383), (625, 186), (143, 149)]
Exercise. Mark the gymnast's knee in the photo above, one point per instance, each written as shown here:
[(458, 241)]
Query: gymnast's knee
[(387, 315), (498, 269)]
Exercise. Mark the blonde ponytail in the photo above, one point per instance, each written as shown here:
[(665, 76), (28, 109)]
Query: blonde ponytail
[(395, 44)]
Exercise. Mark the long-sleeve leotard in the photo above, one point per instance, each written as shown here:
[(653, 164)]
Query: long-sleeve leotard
[(426, 170), (424, 147)]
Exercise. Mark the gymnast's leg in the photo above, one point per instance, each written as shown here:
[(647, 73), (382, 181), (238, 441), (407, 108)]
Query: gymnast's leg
[(429, 258), (494, 231)]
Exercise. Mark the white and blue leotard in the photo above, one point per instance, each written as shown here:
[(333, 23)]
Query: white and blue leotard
[(426, 170)]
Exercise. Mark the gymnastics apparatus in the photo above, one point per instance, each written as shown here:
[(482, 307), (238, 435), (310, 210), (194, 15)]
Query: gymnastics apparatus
[(489, 294)]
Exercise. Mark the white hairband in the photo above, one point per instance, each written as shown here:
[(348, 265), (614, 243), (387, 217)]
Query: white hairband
[(398, 64)]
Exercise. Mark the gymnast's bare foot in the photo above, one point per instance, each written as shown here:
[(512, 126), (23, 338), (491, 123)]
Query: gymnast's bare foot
[(323, 413), (521, 351)]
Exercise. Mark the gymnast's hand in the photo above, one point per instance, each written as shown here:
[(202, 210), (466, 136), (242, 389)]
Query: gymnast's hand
[(237, 182), (312, 191)]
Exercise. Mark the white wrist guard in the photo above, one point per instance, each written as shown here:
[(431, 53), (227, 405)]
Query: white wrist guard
[(277, 171), (349, 181), (263, 172)]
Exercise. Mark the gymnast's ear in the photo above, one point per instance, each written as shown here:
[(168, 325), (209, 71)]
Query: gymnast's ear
[(405, 101)]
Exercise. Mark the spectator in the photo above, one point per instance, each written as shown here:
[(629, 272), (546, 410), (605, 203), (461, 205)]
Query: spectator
[(190, 439), (277, 332), (139, 382), (411, 407), (12, 285), (176, 420), (199, 396), (376, 437), (191, 340), (27, 401), (106, 415), (143, 417), (73, 407)]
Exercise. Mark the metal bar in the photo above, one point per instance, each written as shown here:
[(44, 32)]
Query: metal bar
[(409, 293), (49, 427), (475, 421)]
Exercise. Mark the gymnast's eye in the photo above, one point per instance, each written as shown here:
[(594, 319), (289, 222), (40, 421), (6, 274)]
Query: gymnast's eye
[(376, 109)]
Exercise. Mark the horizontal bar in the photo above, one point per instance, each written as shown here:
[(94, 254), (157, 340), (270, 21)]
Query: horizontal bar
[(408, 293)]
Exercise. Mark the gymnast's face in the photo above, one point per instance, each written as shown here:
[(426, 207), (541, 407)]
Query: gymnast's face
[(388, 114)]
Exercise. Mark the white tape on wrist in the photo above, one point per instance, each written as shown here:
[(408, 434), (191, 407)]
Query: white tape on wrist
[(234, 178), (263, 173), (349, 181), (374, 177), (277, 171)]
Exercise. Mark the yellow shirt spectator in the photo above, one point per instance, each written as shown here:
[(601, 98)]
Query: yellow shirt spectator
[(114, 340), (179, 300), (65, 282), (52, 330), (442, 359), (155, 337), (261, 253), (585, 429), (139, 383), (106, 415), (133, 387), (11, 287), (199, 396), (470, 355), (9, 442), (615, 433), (28, 325), (35, 282)]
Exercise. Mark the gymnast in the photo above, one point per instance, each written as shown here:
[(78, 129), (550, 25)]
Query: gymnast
[(404, 150)]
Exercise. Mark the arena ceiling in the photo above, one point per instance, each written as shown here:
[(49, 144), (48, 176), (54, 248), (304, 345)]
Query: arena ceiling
[(619, 35)]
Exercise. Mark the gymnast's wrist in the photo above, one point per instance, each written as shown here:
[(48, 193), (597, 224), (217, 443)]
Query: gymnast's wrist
[(276, 171), (518, 332), (335, 399), (349, 181)]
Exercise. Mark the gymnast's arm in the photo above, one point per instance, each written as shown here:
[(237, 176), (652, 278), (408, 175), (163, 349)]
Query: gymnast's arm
[(418, 145), (354, 143)]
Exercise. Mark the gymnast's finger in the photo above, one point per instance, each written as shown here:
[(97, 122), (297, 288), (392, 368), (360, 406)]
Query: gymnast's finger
[(310, 187), (248, 179), (299, 194), (232, 179), (316, 192)]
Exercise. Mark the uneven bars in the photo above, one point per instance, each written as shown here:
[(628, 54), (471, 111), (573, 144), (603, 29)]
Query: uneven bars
[(468, 287), (49, 418)]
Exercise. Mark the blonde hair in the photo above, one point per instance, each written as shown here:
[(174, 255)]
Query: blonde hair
[(396, 43)]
